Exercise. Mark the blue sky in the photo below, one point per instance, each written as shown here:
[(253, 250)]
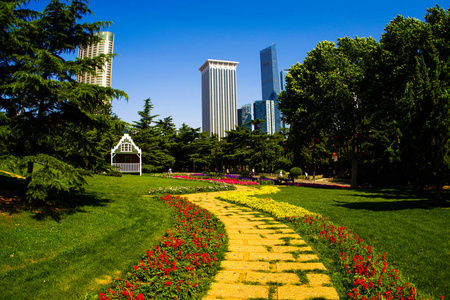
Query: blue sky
[(162, 44)]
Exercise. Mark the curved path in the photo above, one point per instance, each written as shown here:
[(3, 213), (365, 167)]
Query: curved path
[(266, 259)]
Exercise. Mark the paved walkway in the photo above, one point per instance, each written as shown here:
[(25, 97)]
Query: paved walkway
[(266, 259)]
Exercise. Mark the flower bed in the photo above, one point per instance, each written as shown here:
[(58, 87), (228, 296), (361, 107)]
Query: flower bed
[(184, 261), (368, 276), (192, 189), (228, 181)]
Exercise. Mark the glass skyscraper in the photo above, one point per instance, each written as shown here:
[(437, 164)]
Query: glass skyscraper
[(264, 110), (219, 101), (105, 46), (270, 83), (245, 116)]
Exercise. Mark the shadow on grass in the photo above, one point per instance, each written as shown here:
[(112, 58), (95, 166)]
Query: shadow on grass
[(392, 200), (13, 201)]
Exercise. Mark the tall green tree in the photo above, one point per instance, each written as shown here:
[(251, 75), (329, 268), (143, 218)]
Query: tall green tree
[(326, 98), (45, 113), (415, 94), (146, 120), (154, 140)]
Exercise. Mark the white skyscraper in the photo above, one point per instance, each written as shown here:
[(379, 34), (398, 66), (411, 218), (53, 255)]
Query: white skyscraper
[(219, 104), (105, 46)]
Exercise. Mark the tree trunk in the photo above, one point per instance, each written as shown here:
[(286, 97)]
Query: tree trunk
[(354, 180), (29, 172)]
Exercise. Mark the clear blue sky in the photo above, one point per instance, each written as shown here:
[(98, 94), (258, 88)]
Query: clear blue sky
[(162, 44)]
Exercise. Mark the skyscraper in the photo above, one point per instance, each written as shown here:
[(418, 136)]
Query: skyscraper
[(219, 103), (270, 83), (245, 116), (104, 46), (264, 110)]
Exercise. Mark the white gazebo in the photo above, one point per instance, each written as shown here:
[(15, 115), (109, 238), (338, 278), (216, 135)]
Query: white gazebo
[(126, 156)]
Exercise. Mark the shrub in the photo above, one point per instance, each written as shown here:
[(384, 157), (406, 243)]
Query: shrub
[(148, 169), (114, 173), (295, 172)]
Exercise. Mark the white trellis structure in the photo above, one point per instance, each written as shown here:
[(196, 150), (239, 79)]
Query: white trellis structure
[(126, 156)]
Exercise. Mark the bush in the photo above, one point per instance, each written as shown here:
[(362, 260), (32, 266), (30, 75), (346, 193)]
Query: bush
[(295, 172), (149, 169), (114, 173)]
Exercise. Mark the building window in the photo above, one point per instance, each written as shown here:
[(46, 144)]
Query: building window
[(125, 147)]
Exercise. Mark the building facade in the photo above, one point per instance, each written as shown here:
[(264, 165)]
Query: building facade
[(264, 110), (245, 116), (270, 82), (219, 98), (102, 76)]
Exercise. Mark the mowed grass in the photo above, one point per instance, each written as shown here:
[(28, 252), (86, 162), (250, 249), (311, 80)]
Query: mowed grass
[(66, 251), (414, 234)]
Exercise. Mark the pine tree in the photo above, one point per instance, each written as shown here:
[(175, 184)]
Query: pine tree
[(45, 114)]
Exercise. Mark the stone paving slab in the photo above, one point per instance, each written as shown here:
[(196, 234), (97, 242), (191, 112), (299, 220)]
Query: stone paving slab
[(266, 242), (271, 256), (260, 277), (291, 249), (287, 266), (241, 291), (304, 292), (262, 257), (318, 279), (245, 265)]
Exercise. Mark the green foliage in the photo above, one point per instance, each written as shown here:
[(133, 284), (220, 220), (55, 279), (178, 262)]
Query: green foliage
[(53, 176), (295, 172), (341, 99), (44, 111)]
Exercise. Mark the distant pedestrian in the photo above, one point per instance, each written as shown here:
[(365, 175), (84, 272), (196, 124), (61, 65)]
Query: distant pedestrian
[(253, 172), (281, 173), (169, 172), (314, 176), (306, 175)]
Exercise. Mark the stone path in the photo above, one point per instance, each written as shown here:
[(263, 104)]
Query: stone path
[(266, 259)]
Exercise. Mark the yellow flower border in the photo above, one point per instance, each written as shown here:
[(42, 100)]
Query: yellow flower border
[(280, 210)]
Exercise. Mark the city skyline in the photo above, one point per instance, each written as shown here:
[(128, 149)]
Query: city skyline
[(161, 45)]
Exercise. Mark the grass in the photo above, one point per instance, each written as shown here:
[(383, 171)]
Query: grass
[(412, 232), (66, 251)]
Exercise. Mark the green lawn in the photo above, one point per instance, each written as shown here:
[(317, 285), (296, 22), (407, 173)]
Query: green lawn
[(414, 234), (67, 252)]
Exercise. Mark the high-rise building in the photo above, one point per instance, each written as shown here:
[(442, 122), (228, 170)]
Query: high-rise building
[(245, 116), (104, 46), (270, 83), (219, 101), (264, 110)]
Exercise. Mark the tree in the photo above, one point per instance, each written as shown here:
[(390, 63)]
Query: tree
[(154, 140), (45, 113), (146, 120), (416, 82), (325, 101)]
